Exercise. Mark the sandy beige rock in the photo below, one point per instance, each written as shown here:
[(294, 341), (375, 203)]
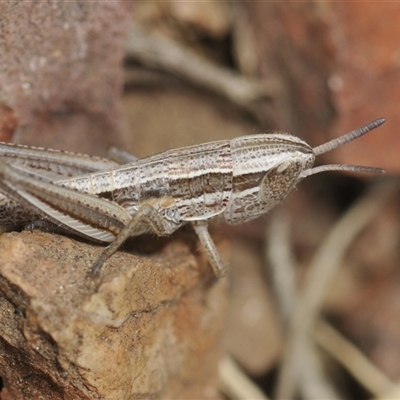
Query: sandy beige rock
[(149, 328)]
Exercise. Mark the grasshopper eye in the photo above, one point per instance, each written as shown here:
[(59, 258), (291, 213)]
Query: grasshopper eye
[(278, 181), (284, 167)]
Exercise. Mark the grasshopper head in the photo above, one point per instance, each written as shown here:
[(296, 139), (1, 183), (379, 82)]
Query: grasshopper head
[(266, 167), (298, 163), (287, 164)]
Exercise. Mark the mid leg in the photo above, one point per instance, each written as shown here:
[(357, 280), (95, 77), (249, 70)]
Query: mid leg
[(146, 213)]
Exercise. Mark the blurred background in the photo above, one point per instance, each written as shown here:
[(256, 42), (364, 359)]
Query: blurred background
[(313, 306)]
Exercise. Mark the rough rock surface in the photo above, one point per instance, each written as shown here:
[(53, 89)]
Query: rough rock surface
[(61, 73), (150, 327)]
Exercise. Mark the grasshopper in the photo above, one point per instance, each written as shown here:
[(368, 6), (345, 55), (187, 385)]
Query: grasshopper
[(233, 181)]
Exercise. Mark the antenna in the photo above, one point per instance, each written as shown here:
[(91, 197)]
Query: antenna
[(348, 137), (333, 144)]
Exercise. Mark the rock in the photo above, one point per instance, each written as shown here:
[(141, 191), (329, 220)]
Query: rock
[(147, 328)]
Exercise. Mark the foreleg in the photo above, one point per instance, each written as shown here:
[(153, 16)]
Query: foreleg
[(201, 228)]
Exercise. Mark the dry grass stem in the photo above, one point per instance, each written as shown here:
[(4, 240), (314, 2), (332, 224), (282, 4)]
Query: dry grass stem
[(348, 355), (235, 383), (170, 56), (323, 268), (280, 257)]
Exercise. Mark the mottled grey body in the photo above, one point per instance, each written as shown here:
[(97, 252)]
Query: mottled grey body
[(235, 180)]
